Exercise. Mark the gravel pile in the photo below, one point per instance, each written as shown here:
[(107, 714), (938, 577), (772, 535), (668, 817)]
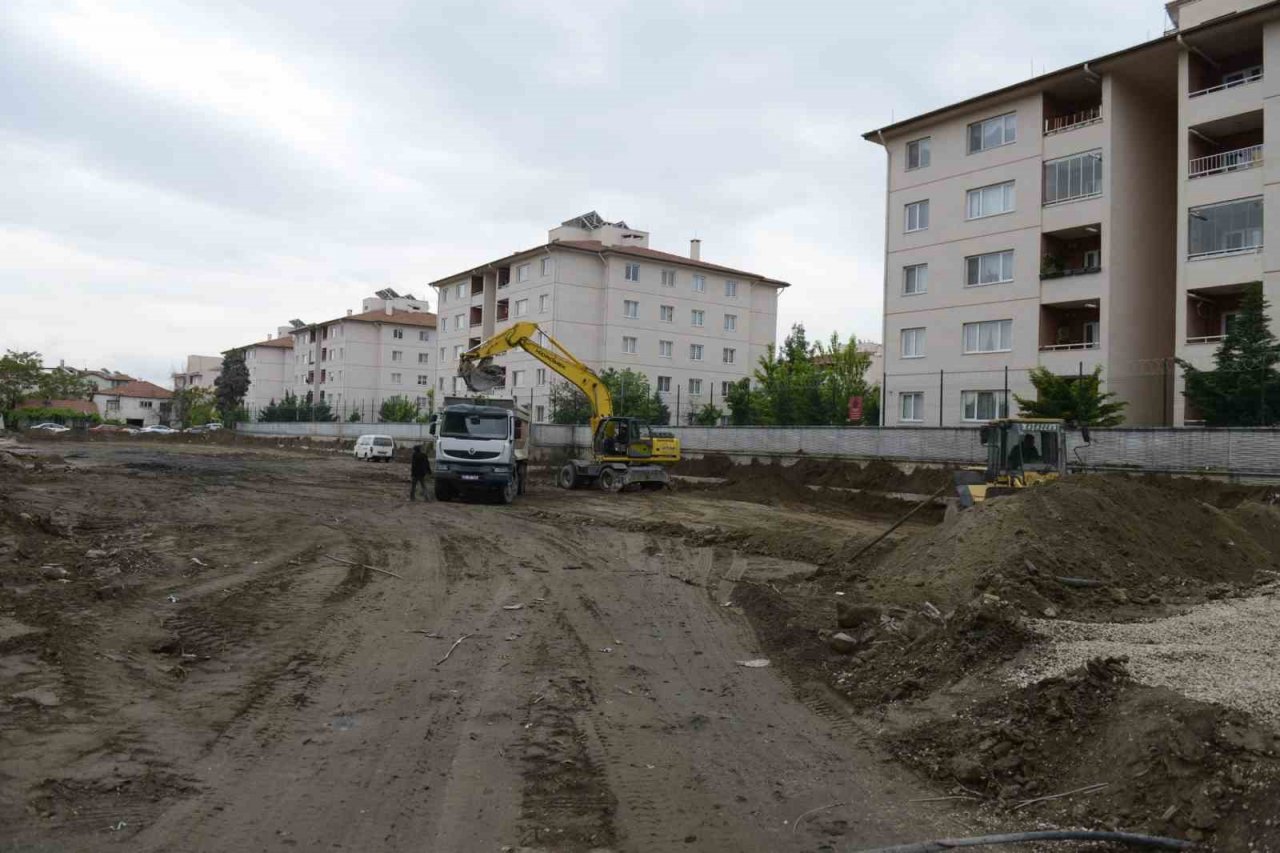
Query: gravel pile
[(1222, 651)]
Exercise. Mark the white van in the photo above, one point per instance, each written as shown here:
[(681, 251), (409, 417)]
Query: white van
[(375, 447)]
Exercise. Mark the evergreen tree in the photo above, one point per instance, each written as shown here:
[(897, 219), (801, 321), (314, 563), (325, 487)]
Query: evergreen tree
[(1244, 387), (1076, 399), (231, 385)]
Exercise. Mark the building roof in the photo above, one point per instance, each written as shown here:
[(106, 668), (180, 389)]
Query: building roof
[(398, 317), (280, 343), (139, 388), (1034, 83), (596, 247), (84, 407), (111, 375)]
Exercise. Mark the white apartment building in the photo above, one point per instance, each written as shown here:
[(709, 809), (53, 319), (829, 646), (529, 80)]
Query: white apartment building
[(690, 326), (271, 369), (355, 362), (1105, 214), (201, 372)]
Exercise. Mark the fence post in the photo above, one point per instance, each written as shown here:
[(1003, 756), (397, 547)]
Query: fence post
[(678, 387), (941, 393), (1006, 392)]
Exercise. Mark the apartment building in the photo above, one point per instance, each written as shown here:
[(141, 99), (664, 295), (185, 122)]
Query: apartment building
[(271, 368), (1107, 214), (355, 362), (690, 326), (202, 371)]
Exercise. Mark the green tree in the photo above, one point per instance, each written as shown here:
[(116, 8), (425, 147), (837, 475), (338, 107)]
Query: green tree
[(568, 404), (708, 415), (629, 390), (1243, 389), (397, 410), (63, 383), (294, 408), (19, 377), (232, 384), (194, 407), (1076, 399)]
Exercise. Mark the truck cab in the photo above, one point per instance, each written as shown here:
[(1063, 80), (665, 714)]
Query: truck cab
[(480, 450)]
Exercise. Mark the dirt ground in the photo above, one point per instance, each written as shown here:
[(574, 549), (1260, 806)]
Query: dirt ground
[(190, 661), (222, 644)]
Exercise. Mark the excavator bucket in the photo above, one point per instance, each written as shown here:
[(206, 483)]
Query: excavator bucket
[(482, 375)]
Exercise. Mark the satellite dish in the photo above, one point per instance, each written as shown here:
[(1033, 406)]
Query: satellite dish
[(297, 324)]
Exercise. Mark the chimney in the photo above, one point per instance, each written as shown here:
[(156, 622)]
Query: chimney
[(348, 312), (387, 306), (695, 249)]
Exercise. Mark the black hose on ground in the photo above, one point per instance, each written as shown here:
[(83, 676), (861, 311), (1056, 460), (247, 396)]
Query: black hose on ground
[(944, 844)]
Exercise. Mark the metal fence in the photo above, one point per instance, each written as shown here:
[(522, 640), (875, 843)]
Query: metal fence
[(1244, 452), (340, 430)]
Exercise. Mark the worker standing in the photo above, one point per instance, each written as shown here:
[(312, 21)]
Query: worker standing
[(419, 468)]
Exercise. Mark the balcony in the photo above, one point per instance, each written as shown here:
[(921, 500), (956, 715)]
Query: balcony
[(1211, 311), (1227, 161), (1070, 327), (477, 316), (477, 285), (503, 310), (1231, 80), (1229, 228), (504, 276), (1072, 120), (1071, 252)]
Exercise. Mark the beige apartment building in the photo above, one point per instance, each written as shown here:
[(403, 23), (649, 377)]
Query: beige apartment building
[(1107, 214), (271, 369), (355, 362), (202, 371), (690, 326)]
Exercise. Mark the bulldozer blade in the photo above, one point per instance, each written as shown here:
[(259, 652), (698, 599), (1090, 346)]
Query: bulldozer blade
[(482, 375)]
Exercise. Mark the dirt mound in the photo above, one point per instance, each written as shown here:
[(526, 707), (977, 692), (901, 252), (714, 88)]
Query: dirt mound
[(1090, 546), (1165, 764)]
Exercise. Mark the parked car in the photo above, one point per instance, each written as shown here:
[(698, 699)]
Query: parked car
[(375, 447), (51, 427), (203, 428), (111, 428), (158, 429)]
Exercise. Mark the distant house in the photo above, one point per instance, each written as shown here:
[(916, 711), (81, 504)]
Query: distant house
[(137, 403), (104, 379)]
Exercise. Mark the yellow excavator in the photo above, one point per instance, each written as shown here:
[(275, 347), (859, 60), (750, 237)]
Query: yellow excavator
[(1021, 452), (624, 451)]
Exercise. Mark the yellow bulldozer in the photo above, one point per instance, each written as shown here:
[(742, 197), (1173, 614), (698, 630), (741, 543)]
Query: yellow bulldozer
[(624, 451), (1021, 452)]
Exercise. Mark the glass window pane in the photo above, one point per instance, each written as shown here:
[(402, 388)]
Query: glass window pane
[(991, 134), (1010, 127), (1006, 266), (924, 214), (975, 137)]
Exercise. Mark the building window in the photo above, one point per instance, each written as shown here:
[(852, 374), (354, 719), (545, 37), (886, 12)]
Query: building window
[(145, 404), (423, 379), (396, 378), (991, 268), (664, 384), (544, 302), (983, 405), (424, 357), (913, 343), (918, 154), (729, 353), (517, 378), (457, 350), (424, 335), (442, 383), (664, 349), (988, 336), (442, 355), (398, 334), (459, 322), (632, 272), (629, 345), (993, 132), (731, 322), (444, 324), (631, 309), (989, 201), (915, 279), (911, 407), (726, 388), (522, 307), (461, 290), (695, 352), (541, 375), (396, 355), (1233, 226), (667, 313), (540, 412), (697, 316), (546, 266), (699, 284), (522, 272), (730, 289), (1073, 177), (444, 295), (695, 387), (668, 278), (917, 216), (420, 402)]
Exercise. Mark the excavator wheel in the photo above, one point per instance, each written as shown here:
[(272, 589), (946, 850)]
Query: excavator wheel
[(610, 480), (568, 477)]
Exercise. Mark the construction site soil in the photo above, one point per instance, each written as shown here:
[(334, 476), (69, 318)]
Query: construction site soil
[(211, 644)]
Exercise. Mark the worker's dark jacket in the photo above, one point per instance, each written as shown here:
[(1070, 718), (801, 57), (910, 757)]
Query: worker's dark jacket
[(421, 466)]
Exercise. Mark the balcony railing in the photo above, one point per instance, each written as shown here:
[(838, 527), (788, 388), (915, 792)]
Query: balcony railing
[(1225, 161), (1068, 347), (1252, 78), (1083, 118), (1222, 253), (1207, 339), (1045, 275)]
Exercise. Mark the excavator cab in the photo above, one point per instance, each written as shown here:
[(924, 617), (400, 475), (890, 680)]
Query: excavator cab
[(1021, 452)]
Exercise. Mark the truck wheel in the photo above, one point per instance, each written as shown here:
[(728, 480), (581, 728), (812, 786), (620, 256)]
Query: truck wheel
[(507, 494), (568, 478)]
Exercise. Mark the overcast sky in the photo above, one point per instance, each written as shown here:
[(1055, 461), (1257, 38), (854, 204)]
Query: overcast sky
[(182, 177)]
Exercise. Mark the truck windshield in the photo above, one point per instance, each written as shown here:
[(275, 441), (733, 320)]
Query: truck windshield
[(458, 425)]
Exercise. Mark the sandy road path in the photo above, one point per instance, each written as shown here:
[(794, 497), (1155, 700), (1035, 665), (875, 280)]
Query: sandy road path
[(607, 712)]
